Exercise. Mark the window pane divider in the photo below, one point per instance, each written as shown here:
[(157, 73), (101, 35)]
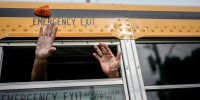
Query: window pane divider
[(1, 59)]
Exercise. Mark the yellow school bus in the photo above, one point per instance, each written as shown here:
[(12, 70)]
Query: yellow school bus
[(160, 51)]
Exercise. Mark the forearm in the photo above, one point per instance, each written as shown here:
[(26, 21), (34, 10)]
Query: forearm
[(114, 74), (39, 70)]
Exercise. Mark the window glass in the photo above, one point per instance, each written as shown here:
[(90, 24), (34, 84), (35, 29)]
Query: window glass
[(112, 92), (180, 94), (175, 63), (66, 63)]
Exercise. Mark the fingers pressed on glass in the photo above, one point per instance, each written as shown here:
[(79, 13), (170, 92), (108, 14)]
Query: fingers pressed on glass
[(104, 50), (46, 30), (108, 51), (98, 50), (53, 35), (96, 56), (119, 55), (51, 29), (41, 32), (51, 50)]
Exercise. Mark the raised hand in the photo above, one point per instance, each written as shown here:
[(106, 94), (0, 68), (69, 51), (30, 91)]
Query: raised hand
[(43, 50), (109, 63), (44, 46)]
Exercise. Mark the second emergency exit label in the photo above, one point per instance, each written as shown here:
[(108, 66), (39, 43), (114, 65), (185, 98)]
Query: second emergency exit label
[(114, 92)]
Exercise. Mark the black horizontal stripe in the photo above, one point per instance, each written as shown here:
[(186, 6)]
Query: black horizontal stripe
[(79, 13)]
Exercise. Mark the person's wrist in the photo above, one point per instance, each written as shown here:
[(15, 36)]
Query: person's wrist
[(40, 59), (40, 56), (114, 74)]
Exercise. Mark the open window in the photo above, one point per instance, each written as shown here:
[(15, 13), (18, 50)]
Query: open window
[(69, 62), (69, 65)]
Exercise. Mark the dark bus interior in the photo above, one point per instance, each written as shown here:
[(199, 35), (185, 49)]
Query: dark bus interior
[(67, 63)]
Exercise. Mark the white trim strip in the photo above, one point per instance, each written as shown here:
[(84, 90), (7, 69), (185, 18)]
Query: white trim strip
[(170, 87), (68, 83), (58, 43)]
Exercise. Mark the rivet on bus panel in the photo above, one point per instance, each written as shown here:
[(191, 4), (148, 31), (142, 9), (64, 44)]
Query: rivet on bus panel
[(106, 26), (101, 30), (25, 29), (90, 30), (111, 30), (118, 19), (80, 30), (13, 29), (128, 24), (197, 30), (31, 25), (130, 36), (171, 30), (7, 25), (69, 30), (19, 25), (125, 37), (3, 29)]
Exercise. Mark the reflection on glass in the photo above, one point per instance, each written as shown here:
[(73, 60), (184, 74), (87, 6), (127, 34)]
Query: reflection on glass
[(169, 63), (113, 92), (180, 94)]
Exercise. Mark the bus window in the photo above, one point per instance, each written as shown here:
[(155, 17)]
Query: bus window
[(175, 94), (169, 63), (67, 63)]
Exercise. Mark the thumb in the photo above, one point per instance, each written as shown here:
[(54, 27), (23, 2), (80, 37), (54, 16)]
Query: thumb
[(119, 55), (51, 50)]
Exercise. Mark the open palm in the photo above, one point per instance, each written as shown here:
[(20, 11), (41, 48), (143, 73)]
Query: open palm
[(109, 63), (44, 46)]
